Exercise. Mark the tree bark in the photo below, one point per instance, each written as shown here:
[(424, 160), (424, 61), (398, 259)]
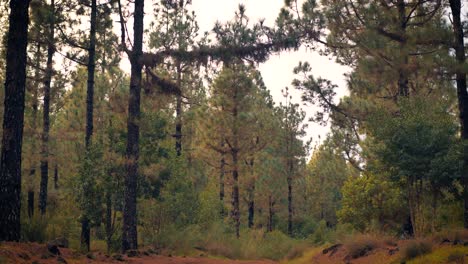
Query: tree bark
[(13, 121), (178, 127), (290, 209), (235, 193), (109, 228), (56, 177), (221, 181), (129, 228), (403, 90), (251, 196), (271, 203), (30, 204), (85, 225), (46, 113), (462, 94)]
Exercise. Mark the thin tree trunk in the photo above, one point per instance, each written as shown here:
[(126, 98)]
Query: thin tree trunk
[(251, 208), (235, 193), (129, 228), (412, 207), (221, 181), (403, 89), (235, 167), (109, 221), (85, 223), (178, 127), (462, 95), (30, 204), (13, 121), (435, 197), (56, 177), (290, 195), (251, 196), (271, 203), (46, 113)]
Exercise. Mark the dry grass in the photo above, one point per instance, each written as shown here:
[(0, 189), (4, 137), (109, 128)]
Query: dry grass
[(455, 236), (416, 248), (360, 245)]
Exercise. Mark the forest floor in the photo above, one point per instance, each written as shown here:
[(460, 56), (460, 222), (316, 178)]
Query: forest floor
[(34, 253)]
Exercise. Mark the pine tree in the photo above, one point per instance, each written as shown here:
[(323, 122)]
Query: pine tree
[(13, 118)]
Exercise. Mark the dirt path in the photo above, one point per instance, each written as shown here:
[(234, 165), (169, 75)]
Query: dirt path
[(28, 253), (189, 260)]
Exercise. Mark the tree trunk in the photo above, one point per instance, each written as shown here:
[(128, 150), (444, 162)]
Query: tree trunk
[(13, 121), (235, 193), (30, 204), (403, 89), (435, 197), (290, 197), (129, 228), (46, 113), (108, 221), (85, 225), (56, 176), (178, 128), (221, 181), (462, 95), (270, 214), (251, 196), (251, 205)]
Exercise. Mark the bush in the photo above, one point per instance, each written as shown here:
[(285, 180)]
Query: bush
[(359, 245), (456, 257), (219, 239), (34, 229), (416, 248)]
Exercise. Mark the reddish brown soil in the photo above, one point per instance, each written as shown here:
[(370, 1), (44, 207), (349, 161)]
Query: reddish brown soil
[(35, 253)]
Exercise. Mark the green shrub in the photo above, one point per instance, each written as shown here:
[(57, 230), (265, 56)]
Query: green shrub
[(34, 229), (416, 248)]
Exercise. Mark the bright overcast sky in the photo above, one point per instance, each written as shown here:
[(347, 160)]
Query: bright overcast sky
[(277, 71)]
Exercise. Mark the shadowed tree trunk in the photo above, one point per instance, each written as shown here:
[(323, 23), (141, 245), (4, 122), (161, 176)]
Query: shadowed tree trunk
[(56, 176), (46, 112), (221, 180), (85, 225), (129, 228), (13, 121), (271, 213), (251, 196), (462, 94), (403, 89), (178, 132), (290, 196), (235, 192)]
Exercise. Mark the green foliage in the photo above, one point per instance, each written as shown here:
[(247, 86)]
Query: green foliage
[(34, 229), (369, 198), (88, 186), (210, 205)]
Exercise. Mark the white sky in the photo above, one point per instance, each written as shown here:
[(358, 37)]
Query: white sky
[(277, 71)]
